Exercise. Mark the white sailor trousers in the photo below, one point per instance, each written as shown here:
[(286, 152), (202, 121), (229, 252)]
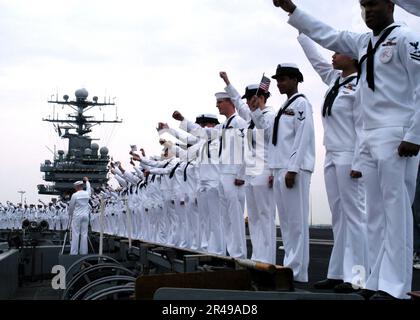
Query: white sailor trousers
[(293, 210), (193, 221), (79, 228), (144, 223), (122, 221), (170, 220), (391, 181), (134, 227), (180, 229), (346, 197), (211, 236), (232, 200), (160, 230), (135, 213), (261, 209), (155, 233)]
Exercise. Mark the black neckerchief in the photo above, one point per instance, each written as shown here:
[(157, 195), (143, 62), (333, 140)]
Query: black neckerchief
[(333, 94), (185, 170), (370, 57), (251, 127), (171, 175), (279, 114), (222, 137)]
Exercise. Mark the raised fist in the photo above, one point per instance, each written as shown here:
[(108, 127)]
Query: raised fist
[(225, 77), (177, 116), (286, 5), (162, 126)]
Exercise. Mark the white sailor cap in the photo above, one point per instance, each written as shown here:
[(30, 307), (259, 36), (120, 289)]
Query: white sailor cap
[(78, 183), (207, 118), (222, 96), (288, 69), (252, 90)]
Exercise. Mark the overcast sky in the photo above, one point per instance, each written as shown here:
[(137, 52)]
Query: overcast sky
[(155, 57)]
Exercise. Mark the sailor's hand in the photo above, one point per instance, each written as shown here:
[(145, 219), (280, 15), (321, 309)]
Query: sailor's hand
[(132, 162), (135, 156), (239, 182), (286, 5), (254, 103), (142, 152), (177, 116), (290, 179), (408, 149), (225, 77), (162, 141), (356, 174), (85, 179), (162, 126), (146, 173)]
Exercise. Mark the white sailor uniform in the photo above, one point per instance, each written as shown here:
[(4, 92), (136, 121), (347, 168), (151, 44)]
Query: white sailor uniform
[(261, 207), (346, 196), (292, 149), (390, 100), (79, 210), (232, 198)]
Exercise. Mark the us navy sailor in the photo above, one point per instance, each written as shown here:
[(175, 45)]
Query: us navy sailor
[(261, 206), (342, 123), (231, 193), (79, 212), (389, 59), (291, 157)]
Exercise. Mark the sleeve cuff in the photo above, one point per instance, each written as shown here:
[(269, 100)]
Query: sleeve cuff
[(184, 125), (293, 169), (412, 138)]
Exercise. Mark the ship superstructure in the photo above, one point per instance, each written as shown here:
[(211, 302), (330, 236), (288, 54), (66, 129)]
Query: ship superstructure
[(83, 158)]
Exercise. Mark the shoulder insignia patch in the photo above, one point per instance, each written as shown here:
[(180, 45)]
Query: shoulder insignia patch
[(301, 117), (415, 55)]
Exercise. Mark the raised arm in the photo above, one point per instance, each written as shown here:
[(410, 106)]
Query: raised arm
[(88, 187), (325, 69), (195, 129), (411, 6), (240, 106), (181, 135), (345, 42)]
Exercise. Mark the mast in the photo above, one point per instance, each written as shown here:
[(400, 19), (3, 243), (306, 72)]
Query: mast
[(82, 158)]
